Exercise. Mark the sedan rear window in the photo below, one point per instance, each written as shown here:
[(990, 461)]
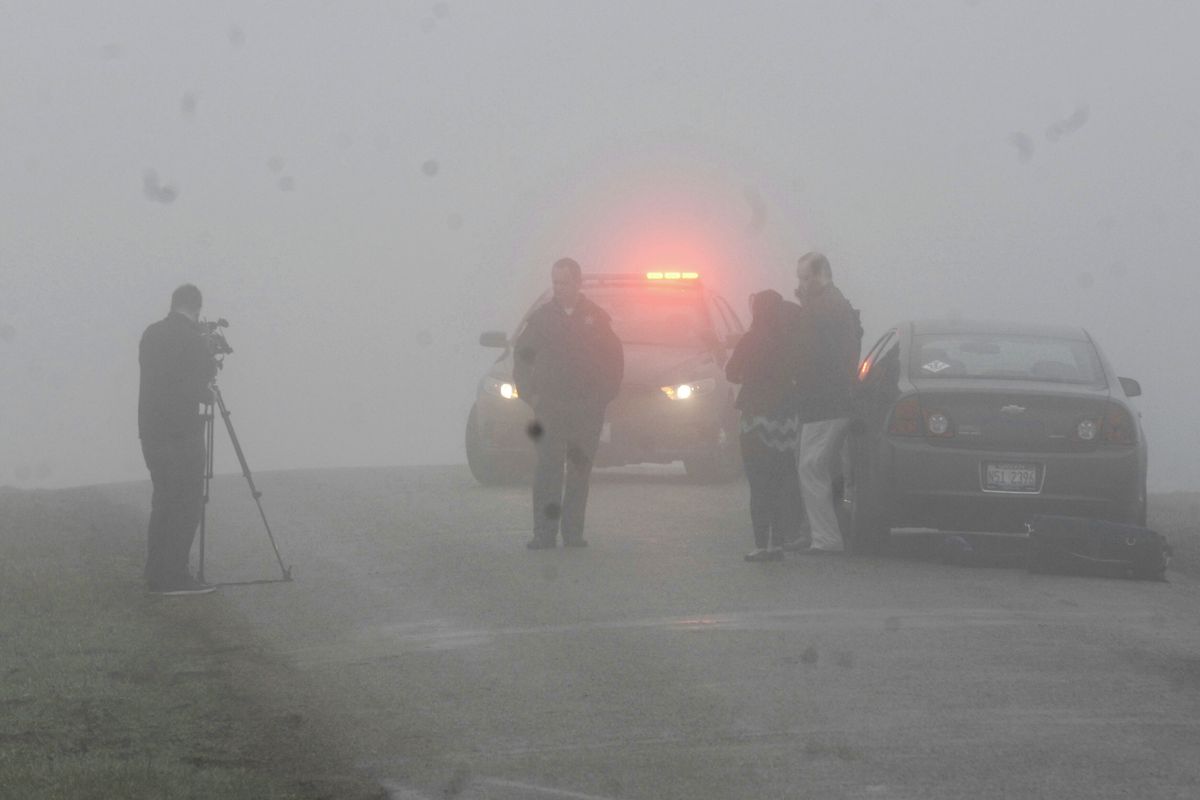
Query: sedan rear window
[(1018, 358)]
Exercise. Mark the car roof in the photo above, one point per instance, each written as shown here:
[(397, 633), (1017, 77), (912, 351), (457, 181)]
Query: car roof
[(997, 328)]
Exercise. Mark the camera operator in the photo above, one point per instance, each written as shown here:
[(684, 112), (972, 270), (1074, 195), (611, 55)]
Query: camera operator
[(177, 369)]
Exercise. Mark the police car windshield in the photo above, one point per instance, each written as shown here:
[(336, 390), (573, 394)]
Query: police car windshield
[(658, 315)]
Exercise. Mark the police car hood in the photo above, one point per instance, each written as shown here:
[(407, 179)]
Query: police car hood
[(650, 365), (647, 365)]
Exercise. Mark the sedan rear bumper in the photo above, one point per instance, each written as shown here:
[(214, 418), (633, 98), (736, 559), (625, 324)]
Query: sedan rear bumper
[(931, 486)]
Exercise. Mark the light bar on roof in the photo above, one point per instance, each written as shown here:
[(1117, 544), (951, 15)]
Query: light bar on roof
[(672, 276)]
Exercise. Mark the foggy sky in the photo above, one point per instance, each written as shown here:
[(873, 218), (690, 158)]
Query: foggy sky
[(361, 188)]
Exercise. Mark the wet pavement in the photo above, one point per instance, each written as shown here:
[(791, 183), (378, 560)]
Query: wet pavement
[(657, 664)]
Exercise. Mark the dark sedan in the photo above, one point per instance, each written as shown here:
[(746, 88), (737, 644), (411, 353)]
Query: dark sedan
[(976, 426)]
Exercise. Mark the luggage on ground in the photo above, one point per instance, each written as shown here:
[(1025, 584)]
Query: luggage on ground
[(1081, 546)]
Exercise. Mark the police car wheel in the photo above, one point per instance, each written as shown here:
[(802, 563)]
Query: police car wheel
[(485, 465), (721, 464)]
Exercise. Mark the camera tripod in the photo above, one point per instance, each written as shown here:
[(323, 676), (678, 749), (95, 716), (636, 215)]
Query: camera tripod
[(218, 404)]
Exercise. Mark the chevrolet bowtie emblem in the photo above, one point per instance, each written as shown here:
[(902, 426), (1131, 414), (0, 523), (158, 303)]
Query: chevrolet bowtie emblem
[(1013, 410)]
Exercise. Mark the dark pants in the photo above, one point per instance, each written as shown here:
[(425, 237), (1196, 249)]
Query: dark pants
[(567, 443), (177, 472), (775, 505)]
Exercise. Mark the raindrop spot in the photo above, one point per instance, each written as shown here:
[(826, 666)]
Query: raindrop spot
[(891, 624), (275, 164), (1086, 280), (441, 9), (112, 51), (1024, 145), (237, 37), (430, 167), (809, 656), (845, 660), (535, 430), (157, 191), (187, 105), (1077, 120), (553, 511), (286, 184), (758, 211), (526, 354), (428, 24)]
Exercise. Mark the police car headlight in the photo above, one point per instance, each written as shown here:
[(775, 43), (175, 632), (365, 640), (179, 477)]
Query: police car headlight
[(686, 391), (500, 388)]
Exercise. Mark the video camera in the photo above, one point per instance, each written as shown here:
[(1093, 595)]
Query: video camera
[(217, 344)]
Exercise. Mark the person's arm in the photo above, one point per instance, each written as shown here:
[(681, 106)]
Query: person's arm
[(201, 370), (612, 361), (525, 361), (736, 366)]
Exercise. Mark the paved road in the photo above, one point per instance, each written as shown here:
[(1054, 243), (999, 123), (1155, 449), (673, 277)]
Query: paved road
[(656, 664)]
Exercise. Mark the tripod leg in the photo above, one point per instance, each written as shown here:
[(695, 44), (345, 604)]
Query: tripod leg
[(208, 473), (254, 492)]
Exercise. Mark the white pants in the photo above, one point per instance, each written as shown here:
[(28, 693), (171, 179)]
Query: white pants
[(818, 459)]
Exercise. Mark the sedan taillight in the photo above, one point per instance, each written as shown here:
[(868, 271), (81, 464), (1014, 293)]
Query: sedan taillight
[(1119, 427), (907, 419)]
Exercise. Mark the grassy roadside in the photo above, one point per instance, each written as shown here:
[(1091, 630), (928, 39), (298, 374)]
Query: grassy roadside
[(1177, 517), (106, 692)]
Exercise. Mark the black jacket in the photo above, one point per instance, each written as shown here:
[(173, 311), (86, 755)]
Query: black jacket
[(176, 370), (827, 339), (568, 361), (760, 364)]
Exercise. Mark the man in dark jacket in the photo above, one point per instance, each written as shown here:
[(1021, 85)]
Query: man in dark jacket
[(177, 369), (568, 365), (827, 340)]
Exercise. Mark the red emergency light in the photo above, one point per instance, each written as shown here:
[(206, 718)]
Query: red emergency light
[(672, 276)]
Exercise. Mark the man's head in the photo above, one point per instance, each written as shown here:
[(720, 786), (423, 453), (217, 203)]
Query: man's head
[(813, 273), (187, 300), (567, 278)]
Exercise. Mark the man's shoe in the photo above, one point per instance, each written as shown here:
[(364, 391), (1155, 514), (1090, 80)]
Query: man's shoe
[(538, 543), (819, 551), (188, 585), (574, 542), (765, 554)]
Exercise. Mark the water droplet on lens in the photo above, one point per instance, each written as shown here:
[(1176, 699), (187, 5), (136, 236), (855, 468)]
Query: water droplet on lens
[(430, 167), (535, 430)]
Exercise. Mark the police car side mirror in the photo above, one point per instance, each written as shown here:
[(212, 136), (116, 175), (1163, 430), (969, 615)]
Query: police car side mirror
[(493, 339), (1132, 388)]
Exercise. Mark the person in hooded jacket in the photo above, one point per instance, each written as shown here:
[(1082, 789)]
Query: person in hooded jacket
[(769, 426), (568, 365)]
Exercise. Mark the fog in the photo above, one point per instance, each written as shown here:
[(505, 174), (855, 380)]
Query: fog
[(361, 189)]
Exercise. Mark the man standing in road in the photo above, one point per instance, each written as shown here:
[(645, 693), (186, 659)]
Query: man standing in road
[(828, 339), (176, 372), (567, 365)]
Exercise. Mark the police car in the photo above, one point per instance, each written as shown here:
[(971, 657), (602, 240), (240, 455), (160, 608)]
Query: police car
[(674, 403)]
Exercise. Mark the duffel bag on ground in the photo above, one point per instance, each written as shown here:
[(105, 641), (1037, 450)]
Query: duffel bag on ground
[(1080, 546)]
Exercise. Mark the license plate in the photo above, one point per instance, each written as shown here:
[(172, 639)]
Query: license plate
[(1011, 478)]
